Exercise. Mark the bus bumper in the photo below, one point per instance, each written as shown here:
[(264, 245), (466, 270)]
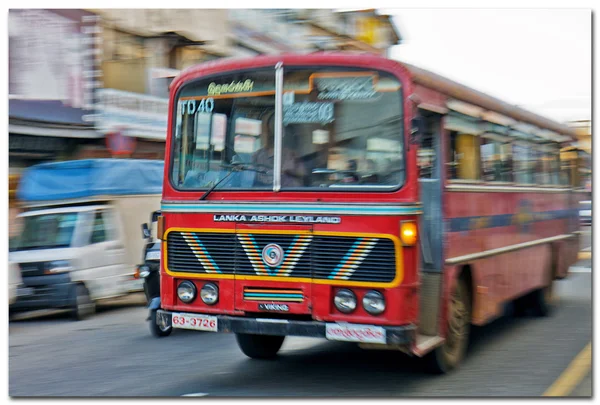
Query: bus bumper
[(392, 335)]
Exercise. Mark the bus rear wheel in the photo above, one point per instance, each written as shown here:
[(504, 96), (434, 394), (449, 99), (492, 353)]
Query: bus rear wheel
[(541, 300), (451, 353), (259, 346)]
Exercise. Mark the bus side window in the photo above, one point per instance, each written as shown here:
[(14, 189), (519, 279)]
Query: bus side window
[(496, 160), (524, 161), (426, 153), (464, 156)]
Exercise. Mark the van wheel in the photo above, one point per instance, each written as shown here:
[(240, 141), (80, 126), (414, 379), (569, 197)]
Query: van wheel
[(449, 355), (259, 346), (82, 304), (156, 329)]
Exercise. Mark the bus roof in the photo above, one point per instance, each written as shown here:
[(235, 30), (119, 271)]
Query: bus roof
[(470, 95), (420, 76)]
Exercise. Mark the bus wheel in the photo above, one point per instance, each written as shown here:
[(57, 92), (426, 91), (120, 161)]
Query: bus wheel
[(449, 355), (259, 346), (156, 329), (82, 304), (541, 300)]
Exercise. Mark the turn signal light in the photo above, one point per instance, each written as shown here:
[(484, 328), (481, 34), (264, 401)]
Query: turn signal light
[(408, 233)]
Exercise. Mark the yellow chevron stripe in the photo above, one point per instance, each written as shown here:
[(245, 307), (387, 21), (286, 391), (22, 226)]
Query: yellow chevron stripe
[(295, 254), (357, 257), (208, 266)]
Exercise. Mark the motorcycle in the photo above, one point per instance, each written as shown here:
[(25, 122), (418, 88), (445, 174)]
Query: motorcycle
[(150, 272)]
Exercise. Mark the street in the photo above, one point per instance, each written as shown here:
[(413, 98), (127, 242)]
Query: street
[(113, 354)]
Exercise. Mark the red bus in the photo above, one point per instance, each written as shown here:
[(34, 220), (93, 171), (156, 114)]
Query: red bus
[(355, 198)]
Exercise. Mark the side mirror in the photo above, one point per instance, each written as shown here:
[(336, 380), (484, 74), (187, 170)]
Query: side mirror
[(417, 127), (155, 215), (146, 234)]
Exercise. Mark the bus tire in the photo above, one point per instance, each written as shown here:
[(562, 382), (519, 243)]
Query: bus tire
[(259, 346), (450, 354), (521, 305), (541, 301), (156, 330), (82, 305)]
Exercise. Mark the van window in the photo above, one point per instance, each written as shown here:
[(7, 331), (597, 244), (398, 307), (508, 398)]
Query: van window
[(98, 229), (47, 231)]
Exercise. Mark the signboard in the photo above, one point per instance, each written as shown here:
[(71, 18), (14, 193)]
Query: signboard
[(307, 113), (135, 114), (53, 56), (345, 87), (118, 144)]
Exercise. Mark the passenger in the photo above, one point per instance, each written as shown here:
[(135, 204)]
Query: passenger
[(350, 176), (292, 171), (372, 173)]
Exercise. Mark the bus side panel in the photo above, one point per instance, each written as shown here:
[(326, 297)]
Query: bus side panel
[(483, 221)]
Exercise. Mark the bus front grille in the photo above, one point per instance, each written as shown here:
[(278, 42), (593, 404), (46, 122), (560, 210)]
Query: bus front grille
[(352, 258)]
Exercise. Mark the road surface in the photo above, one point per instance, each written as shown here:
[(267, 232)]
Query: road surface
[(113, 354)]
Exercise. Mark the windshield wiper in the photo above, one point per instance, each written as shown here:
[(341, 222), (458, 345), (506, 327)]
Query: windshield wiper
[(233, 167)]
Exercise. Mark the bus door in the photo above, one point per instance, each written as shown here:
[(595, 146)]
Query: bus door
[(273, 269), (429, 158)]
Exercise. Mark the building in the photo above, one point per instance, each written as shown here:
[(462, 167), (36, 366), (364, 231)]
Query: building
[(94, 83), (143, 50)]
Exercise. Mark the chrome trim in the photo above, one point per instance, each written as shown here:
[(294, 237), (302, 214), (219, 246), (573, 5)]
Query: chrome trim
[(505, 249), (486, 188), (278, 126)]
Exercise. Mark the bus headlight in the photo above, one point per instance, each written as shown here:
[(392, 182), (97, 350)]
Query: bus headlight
[(373, 302), (345, 301), (186, 291), (209, 294)]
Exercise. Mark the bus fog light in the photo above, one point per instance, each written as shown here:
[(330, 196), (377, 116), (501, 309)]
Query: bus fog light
[(186, 291), (373, 302), (209, 294), (345, 301)]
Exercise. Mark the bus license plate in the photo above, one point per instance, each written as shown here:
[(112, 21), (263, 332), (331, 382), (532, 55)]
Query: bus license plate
[(195, 322), (355, 333)]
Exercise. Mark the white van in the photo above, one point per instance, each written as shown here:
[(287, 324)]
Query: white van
[(73, 252), (14, 281)]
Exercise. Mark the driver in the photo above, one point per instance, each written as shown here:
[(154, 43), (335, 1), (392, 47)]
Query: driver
[(292, 171)]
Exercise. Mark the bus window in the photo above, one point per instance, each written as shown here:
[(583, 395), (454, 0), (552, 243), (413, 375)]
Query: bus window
[(524, 161), (554, 157), (464, 156), (345, 128), (426, 153), (496, 160), (220, 122), (547, 173)]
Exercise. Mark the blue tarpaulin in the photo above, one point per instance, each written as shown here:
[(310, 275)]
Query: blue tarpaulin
[(90, 178)]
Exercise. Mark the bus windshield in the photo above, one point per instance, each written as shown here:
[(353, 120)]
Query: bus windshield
[(342, 129)]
